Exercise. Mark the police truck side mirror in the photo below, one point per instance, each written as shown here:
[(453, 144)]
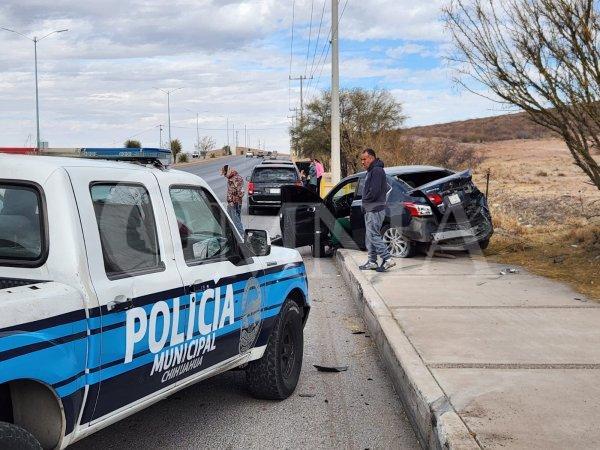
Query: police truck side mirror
[(258, 241)]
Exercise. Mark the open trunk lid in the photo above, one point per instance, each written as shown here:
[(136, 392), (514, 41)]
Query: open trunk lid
[(455, 197)]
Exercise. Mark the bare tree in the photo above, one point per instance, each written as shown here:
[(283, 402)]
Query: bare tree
[(205, 145), (542, 56)]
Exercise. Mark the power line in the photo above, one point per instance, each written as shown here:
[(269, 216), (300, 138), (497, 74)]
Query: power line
[(225, 129), (142, 132), (291, 53), (325, 47), (318, 35), (312, 6)]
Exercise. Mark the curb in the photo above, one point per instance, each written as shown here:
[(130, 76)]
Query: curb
[(436, 423)]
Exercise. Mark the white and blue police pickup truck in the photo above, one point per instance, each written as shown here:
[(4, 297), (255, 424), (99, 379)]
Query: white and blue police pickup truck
[(121, 283)]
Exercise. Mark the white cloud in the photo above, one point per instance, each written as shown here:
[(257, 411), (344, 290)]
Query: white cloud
[(97, 82), (393, 19)]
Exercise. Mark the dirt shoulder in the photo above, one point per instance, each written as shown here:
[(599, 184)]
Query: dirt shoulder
[(546, 214), (197, 161)]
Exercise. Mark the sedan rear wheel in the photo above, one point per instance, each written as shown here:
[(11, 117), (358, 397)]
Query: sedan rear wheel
[(397, 244)]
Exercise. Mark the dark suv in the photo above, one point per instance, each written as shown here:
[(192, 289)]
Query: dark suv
[(264, 185)]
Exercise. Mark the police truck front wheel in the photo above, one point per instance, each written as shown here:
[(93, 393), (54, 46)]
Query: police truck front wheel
[(16, 438), (276, 374)]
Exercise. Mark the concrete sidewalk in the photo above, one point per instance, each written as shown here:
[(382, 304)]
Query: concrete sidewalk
[(482, 359)]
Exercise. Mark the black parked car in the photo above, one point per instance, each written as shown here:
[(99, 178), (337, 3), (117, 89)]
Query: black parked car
[(264, 185), (425, 206)]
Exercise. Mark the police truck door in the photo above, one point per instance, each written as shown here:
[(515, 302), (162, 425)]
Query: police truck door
[(225, 289), (139, 288)]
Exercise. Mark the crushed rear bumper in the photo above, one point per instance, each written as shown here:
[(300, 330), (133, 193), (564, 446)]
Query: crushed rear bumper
[(450, 236)]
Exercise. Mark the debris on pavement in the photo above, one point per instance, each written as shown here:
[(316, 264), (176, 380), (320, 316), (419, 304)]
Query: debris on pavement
[(444, 255), (331, 368), (358, 332), (306, 394), (508, 270)]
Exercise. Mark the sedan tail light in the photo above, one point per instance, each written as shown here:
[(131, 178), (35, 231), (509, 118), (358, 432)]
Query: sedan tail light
[(417, 210), (436, 199), (250, 188)]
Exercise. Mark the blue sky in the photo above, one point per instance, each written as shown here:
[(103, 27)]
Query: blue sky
[(99, 80)]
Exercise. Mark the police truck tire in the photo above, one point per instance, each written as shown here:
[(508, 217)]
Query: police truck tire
[(276, 374), (16, 438)]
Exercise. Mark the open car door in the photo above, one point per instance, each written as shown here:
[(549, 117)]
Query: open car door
[(300, 217)]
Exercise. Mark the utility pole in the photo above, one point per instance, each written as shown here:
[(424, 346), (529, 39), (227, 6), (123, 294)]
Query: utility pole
[(301, 78), (245, 137), (232, 134), (236, 139), (160, 129), (335, 95), (228, 132)]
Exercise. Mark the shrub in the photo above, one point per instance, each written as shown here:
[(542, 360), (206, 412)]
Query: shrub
[(431, 151), (212, 155), (542, 173), (183, 157)]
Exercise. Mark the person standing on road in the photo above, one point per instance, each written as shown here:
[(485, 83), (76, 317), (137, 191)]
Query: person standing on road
[(235, 194), (303, 178), (312, 176), (373, 205), (320, 172)]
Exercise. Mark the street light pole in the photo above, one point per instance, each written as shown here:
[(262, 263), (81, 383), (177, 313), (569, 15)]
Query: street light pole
[(169, 92), (198, 130), (35, 40), (37, 103), (169, 119)]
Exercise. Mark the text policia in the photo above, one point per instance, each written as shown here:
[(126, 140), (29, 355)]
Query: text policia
[(184, 347)]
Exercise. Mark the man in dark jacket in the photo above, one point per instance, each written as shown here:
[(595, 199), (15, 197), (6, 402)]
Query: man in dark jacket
[(373, 205)]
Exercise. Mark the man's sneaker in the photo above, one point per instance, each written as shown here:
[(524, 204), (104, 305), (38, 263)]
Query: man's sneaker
[(369, 265), (385, 265)]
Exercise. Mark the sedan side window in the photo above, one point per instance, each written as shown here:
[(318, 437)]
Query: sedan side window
[(204, 230), (346, 190), (360, 188)]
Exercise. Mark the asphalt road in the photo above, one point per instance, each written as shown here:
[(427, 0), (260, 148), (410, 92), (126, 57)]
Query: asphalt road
[(356, 409)]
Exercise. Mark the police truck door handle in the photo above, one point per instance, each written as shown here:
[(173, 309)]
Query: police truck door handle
[(121, 303)]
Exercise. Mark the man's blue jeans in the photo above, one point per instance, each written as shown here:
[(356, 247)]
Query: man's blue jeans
[(235, 211), (373, 240)]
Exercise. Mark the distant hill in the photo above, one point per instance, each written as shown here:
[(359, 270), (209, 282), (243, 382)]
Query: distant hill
[(498, 128)]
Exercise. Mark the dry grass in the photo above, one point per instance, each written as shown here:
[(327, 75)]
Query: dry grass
[(546, 215)]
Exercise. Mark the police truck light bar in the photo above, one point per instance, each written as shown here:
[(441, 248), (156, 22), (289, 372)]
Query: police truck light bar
[(116, 154)]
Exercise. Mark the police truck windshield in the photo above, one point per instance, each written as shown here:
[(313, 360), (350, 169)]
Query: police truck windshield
[(275, 175), (21, 225)]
